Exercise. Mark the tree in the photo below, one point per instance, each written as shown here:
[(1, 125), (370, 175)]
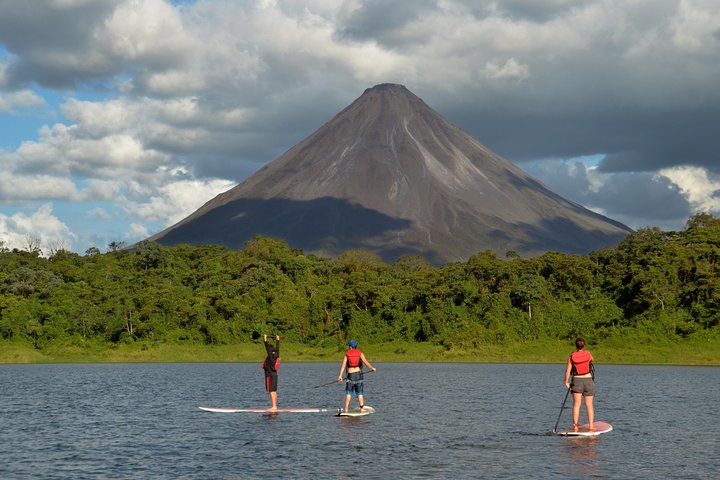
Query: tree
[(114, 246)]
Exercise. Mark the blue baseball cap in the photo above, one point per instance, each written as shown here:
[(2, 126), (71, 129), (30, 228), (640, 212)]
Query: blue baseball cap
[(352, 343)]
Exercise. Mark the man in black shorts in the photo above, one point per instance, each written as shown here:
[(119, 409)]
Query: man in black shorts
[(270, 365)]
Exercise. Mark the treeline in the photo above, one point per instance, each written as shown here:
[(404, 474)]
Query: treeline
[(654, 286)]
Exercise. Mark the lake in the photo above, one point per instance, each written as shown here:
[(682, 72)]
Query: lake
[(433, 420)]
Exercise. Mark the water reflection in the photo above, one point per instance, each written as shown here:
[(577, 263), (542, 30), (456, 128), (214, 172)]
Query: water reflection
[(465, 423), (583, 458)]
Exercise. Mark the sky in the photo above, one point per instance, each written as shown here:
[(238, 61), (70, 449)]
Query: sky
[(119, 118)]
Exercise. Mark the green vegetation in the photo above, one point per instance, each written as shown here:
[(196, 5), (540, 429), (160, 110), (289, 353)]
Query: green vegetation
[(655, 298)]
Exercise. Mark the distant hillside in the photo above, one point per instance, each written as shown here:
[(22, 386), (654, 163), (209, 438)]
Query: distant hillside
[(390, 175)]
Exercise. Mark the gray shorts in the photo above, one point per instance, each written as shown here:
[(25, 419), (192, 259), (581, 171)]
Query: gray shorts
[(586, 386)]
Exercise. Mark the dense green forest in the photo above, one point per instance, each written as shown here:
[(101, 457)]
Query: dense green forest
[(655, 286)]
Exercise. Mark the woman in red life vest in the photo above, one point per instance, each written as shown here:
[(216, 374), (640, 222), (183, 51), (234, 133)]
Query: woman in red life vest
[(353, 361), (270, 365), (579, 365)]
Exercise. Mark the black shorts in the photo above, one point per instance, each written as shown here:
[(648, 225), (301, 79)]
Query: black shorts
[(271, 380)]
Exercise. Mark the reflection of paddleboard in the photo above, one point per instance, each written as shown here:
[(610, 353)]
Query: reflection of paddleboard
[(263, 410), (356, 412), (584, 430)]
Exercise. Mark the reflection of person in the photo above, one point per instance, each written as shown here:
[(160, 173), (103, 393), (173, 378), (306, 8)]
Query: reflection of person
[(353, 361), (579, 365), (270, 365)]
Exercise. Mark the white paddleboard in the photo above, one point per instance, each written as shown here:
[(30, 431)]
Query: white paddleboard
[(263, 410), (356, 412), (584, 430)]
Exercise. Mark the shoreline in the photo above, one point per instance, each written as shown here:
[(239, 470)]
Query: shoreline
[(535, 352)]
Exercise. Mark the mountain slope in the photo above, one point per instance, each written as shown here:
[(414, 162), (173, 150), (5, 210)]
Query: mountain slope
[(391, 175)]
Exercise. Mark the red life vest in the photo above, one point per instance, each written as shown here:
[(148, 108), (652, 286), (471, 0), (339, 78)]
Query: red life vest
[(353, 357), (581, 362)]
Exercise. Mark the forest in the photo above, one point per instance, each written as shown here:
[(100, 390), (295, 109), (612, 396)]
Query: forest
[(655, 286)]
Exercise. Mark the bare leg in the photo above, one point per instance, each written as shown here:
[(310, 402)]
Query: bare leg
[(361, 401), (577, 401), (347, 402), (590, 411), (273, 399)]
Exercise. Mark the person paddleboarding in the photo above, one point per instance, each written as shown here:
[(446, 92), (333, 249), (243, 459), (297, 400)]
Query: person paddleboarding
[(270, 366), (353, 361), (579, 365)]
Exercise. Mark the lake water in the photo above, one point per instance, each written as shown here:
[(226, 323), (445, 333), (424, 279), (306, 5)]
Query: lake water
[(432, 421)]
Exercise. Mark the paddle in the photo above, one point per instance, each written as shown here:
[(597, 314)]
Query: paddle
[(335, 381), (325, 384), (562, 407)]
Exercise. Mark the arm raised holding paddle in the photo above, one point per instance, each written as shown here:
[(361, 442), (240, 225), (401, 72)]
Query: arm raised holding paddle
[(271, 365)]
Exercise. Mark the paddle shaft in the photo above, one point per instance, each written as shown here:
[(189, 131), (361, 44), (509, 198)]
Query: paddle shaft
[(335, 381), (562, 407)]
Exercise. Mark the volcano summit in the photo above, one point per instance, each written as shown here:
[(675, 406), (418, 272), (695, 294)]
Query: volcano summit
[(390, 175)]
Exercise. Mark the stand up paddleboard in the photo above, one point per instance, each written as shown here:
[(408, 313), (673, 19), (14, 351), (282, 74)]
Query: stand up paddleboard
[(584, 430), (264, 410), (356, 412)]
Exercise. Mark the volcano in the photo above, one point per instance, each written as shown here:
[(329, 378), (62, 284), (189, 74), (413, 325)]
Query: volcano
[(390, 175)]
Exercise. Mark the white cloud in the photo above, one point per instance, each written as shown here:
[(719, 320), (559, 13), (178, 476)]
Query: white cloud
[(22, 100), (98, 213), (510, 69), (27, 187), (41, 225), (695, 24), (171, 202), (145, 31), (697, 185), (137, 231)]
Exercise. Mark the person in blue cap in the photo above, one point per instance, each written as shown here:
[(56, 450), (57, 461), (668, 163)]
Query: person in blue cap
[(353, 361)]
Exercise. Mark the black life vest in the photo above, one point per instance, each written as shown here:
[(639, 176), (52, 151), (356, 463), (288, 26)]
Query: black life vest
[(269, 366)]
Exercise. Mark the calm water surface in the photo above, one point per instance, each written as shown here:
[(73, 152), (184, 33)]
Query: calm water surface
[(432, 421)]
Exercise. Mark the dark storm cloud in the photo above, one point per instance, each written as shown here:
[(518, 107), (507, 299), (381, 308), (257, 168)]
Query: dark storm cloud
[(641, 195), (64, 44), (637, 199), (380, 20), (643, 124), (533, 10), (44, 37)]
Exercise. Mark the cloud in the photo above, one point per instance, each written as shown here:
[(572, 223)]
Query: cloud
[(162, 106), (699, 186), (62, 43), (16, 188), (510, 69), (137, 231), (638, 199), (41, 228), (98, 213), (171, 202), (13, 102)]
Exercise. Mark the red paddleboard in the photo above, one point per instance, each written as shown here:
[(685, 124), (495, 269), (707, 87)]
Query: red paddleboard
[(584, 430), (263, 410)]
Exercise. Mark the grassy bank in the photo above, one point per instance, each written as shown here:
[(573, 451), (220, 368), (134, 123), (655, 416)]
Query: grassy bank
[(692, 352)]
